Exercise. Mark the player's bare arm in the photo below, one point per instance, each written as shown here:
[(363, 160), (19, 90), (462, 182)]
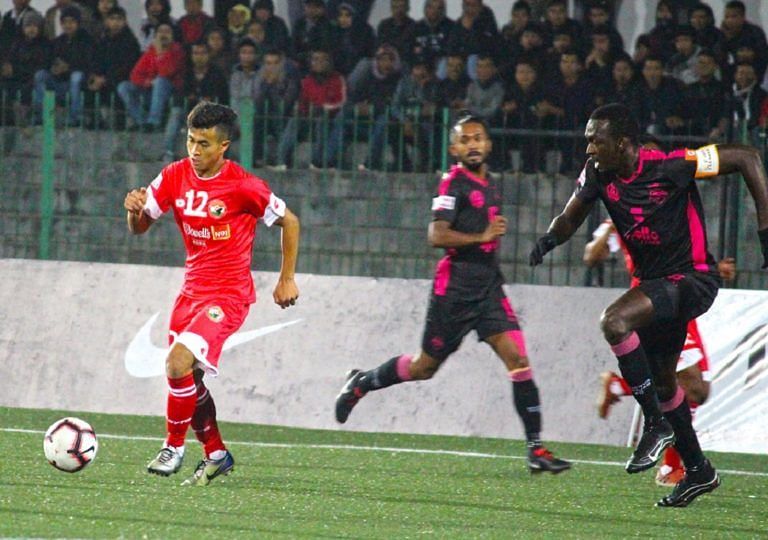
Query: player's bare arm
[(138, 221), (746, 160), (597, 250), (441, 235), (561, 229), (286, 292)]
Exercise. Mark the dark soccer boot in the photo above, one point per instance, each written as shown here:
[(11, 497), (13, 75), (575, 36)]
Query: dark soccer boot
[(541, 460), (657, 436), (350, 394), (696, 482)]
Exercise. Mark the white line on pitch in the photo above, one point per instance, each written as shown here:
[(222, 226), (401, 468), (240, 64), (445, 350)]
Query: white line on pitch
[(456, 453)]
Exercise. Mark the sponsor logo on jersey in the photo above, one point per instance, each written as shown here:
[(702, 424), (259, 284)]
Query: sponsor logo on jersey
[(476, 198), (215, 313), (443, 202), (220, 232), (216, 208), (203, 233), (644, 235)]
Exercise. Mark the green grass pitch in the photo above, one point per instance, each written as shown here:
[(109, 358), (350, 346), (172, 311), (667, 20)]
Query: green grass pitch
[(298, 483)]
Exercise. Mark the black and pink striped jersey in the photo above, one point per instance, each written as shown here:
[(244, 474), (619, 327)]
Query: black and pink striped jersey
[(657, 210), (468, 203)]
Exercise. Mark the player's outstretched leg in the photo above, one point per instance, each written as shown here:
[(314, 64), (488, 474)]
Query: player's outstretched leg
[(358, 383), (697, 481), (209, 468), (526, 397)]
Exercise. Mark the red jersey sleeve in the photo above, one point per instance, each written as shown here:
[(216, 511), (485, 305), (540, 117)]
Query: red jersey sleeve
[(160, 194), (261, 202)]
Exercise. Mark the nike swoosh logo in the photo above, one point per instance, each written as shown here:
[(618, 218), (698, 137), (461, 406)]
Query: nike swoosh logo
[(143, 359)]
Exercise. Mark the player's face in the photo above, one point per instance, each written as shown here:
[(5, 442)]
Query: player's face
[(470, 145), (206, 150), (602, 147)]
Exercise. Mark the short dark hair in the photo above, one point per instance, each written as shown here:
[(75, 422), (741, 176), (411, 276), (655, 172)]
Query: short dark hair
[(621, 121), (116, 11), (706, 51), (601, 30), (653, 58), (685, 30), (207, 115), (522, 5), (466, 117), (737, 4)]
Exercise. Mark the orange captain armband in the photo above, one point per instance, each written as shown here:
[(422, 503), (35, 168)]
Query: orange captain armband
[(707, 160)]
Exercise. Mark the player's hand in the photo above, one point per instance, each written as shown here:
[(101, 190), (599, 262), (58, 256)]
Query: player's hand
[(497, 227), (544, 245), (763, 235), (135, 200), (727, 268), (286, 293)]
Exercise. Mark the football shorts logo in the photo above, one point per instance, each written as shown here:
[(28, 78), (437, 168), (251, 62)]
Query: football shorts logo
[(215, 313), (216, 209)]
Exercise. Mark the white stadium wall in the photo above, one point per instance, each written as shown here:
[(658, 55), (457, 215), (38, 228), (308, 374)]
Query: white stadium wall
[(81, 336)]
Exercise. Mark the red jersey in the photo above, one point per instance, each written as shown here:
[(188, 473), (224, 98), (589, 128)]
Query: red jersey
[(217, 218)]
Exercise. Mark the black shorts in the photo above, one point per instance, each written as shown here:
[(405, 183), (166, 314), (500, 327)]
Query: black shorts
[(449, 320), (676, 300)]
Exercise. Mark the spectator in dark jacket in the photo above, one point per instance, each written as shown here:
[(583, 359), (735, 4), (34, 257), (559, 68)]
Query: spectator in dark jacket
[(353, 40), (369, 100), (625, 87), (475, 34), (53, 26), (556, 21), (312, 31), (242, 82), (157, 12), (432, 33), (196, 23), (157, 75), (220, 53), (599, 15), (398, 30), (72, 55), (739, 33), (452, 90), (746, 97), (705, 102), (28, 55), (117, 51), (275, 94), (521, 97), (702, 19), (275, 27), (660, 111), (11, 25), (662, 36), (519, 18)]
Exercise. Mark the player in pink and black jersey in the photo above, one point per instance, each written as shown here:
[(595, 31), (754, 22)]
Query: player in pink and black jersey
[(655, 206), (467, 292)]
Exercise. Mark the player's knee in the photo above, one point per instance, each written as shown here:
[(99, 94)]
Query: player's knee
[(422, 368), (179, 361), (613, 326)]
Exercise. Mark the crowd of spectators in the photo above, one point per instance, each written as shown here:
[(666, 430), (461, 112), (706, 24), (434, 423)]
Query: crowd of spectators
[(332, 78)]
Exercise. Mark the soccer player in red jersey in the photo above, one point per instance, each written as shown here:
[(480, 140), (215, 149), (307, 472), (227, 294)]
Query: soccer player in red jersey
[(692, 366), (467, 293), (216, 204), (654, 203)]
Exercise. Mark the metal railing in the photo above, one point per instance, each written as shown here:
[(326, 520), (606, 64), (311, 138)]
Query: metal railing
[(63, 187)]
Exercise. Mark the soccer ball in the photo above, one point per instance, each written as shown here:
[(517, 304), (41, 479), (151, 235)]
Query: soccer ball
[(70, 444)]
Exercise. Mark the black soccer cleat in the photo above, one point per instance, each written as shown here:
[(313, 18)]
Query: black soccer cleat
[(350, 394), (542, 460), (696, 482), (657, 436)]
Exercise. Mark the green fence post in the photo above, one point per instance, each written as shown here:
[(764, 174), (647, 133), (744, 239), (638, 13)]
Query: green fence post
[(247, 116), (46, 195), (444, 145)]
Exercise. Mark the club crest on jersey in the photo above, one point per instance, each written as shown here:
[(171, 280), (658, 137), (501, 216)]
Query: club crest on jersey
[(656, 194), (476, 198), (216, 208), (215, 313)]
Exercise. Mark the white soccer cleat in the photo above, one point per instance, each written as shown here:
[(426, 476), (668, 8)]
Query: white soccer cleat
[(167, 462)]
